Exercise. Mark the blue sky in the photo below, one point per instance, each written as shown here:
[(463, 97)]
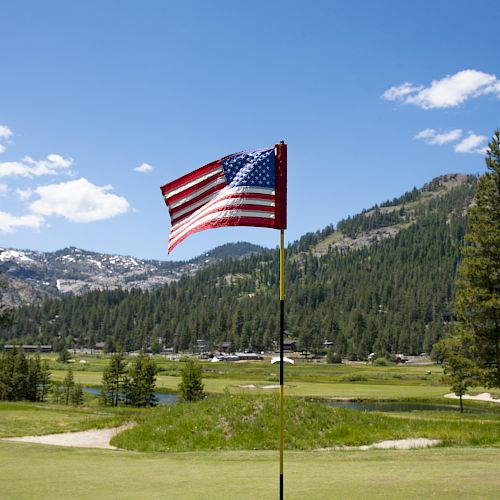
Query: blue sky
[(372, 98)]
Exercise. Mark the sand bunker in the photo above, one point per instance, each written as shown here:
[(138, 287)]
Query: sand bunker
[(397, 444), (95, 438), (485, 396), (252, 386)]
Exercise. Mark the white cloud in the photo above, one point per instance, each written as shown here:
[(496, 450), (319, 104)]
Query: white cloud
[(3, 188), (431, 136), (144, 168), (24, 194), (5, 132), (9, 223), (450, 91), (427, 133), (78, 201), (2, 148), (27, 167), (399, 92), (472, 144), (451, 136)]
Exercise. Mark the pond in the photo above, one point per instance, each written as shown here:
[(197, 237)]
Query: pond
[(163, 398), (393, 406)]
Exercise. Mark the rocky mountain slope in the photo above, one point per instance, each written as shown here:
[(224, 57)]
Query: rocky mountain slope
[(32, 276)]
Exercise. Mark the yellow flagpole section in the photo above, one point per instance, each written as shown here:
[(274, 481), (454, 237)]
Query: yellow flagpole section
[(282, 264)]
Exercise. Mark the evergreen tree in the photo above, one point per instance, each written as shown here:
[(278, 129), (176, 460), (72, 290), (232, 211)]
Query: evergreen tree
[(7, 360), (68, 386), (38, 378), (77, 395), (140, 383), (191, 387), (113, 379), (64, 355), (22, 377), (460, 370), (478, 298)]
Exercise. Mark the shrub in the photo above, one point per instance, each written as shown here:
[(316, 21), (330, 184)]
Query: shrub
[(382, 362), (333, 357), (191, 387)]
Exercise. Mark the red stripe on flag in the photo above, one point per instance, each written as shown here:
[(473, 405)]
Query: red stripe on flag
[(206, 193), (187, 178), (218, 199), (223, 222), (199, 185), (183, 225)]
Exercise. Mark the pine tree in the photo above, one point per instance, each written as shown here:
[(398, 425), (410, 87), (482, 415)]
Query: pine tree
[(191, 387), (77, 395), (461, 370), (140, 383), (113, 379), (478, 298), (68, 386)]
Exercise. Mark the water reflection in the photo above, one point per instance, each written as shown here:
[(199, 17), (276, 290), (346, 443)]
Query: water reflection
[(388, 406), (162, 397)]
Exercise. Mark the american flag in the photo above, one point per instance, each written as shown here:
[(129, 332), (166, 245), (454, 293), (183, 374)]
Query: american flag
[(242, 189)]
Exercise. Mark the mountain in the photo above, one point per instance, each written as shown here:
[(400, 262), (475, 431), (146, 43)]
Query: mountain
[(33, 276), (381, 281)]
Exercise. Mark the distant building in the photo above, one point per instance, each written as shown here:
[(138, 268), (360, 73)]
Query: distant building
[(225, 346), (289, 345), (249, 356), (99, 346), (201, 346)]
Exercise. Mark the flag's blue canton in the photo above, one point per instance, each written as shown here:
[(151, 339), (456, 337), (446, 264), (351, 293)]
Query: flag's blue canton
[(251, 168)]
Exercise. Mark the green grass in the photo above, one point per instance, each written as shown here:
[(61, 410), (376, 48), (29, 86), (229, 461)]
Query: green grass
[(37, 471), (467, 466), (302, 379), (30, 419), (238, 422)]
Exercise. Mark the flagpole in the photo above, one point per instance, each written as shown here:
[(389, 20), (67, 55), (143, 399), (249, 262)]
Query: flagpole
[(282, 363), (281, 183)]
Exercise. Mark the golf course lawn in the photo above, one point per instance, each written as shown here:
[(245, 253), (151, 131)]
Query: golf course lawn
[(293, 388), (459, 470), (37, 471)]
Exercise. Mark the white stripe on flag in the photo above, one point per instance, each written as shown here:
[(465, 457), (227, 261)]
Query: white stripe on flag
[(221, 215), (193, 182), (194, 194), (223, 199)]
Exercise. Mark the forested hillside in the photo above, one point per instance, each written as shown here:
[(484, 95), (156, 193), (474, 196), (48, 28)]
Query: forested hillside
[(382, 281)]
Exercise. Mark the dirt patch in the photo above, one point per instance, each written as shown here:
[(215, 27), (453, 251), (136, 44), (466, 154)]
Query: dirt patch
[(226, 428), (95, 438)]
